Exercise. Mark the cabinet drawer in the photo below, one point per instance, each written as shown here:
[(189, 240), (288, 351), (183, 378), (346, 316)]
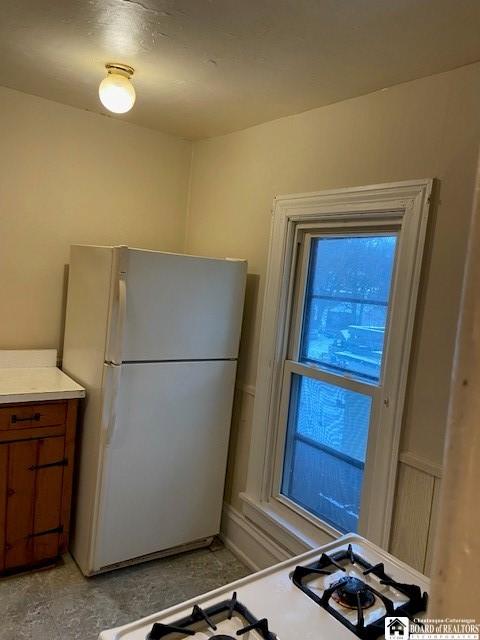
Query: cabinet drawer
[(26, 416)]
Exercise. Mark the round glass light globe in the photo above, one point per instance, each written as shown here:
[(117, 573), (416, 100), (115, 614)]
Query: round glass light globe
[(117, 93)]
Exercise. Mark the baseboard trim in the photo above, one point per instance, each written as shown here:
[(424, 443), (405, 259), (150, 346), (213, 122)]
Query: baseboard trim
[(248, 542)]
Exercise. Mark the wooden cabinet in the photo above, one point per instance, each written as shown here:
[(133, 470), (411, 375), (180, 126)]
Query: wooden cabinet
[(37, 443)]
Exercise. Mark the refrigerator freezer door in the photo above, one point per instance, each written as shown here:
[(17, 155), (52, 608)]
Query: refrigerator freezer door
[(164, 470), (182, 307)]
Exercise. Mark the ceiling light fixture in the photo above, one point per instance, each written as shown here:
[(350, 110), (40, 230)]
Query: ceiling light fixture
[(116, 91)]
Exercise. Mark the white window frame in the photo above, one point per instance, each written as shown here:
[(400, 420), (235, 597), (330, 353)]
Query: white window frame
[(402, 206)]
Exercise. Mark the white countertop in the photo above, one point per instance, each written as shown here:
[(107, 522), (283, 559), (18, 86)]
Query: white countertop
[(40, 381)]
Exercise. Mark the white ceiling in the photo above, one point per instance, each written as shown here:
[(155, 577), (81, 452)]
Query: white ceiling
[(206, 67)]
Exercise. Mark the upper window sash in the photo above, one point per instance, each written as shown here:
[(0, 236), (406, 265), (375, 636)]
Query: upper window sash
[(305, 235)]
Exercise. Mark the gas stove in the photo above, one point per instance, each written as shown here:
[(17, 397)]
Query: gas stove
[(344, 590)]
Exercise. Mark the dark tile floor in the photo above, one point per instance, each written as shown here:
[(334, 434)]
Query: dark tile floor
[(60, 604)]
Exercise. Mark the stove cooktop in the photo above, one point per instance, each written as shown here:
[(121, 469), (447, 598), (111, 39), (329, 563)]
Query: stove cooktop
[(314, 596)]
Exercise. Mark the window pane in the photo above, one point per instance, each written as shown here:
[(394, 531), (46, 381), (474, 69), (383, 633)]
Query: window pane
[(346, 305), (325, 450)]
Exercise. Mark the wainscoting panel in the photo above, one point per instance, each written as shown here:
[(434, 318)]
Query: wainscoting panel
[(414, 517)]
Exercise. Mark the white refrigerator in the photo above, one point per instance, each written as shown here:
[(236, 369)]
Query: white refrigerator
[(153, 337)]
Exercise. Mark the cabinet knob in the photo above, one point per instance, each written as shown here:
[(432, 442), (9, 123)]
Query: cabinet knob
[(10, 492)]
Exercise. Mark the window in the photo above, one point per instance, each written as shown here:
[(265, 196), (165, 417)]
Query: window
[(339, 306), (341, 337)]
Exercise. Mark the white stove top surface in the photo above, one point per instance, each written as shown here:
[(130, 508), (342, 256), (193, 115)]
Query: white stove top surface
[(291, 613)]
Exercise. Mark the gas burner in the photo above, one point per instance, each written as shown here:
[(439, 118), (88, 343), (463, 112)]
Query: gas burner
[(355, 596), (201, 620), (352, 593)]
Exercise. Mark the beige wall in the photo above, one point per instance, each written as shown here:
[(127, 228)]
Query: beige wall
[(421, 129), (70, 176)]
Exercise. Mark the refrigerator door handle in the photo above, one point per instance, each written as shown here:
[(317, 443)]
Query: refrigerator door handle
[(110, 419), (116, 353), (122, 313), (116, 329)]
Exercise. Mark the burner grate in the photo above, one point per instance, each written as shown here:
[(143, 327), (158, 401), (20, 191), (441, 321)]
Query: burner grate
[(416, 600), (223, 610)]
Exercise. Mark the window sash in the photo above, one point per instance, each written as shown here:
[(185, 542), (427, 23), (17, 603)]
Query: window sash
[(299, 278), (351, 384)]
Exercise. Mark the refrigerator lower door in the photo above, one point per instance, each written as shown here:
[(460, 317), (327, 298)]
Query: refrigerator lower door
[(164, 466)]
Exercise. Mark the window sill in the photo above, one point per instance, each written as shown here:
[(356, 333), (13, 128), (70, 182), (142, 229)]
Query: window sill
[(285, 527)]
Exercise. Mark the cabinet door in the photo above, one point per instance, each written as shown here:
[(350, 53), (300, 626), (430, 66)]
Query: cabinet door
[(48, 498), (20, 500), (34, 474), (3, 501)]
